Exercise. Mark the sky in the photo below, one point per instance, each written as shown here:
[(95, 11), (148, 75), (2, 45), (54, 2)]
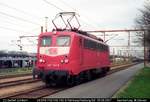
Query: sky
[(25, 17)]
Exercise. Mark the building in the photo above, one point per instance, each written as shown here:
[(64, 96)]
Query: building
[(13, 59)]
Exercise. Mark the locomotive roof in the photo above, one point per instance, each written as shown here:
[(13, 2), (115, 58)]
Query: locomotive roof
[(75, 31)]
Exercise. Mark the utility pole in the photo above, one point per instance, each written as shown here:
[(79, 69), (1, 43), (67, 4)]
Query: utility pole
[(144, 50), (128, 38), (46, 21), (124, 54), (129, 46), (20, 46), (41, 29), (104, 36), (113, 54)]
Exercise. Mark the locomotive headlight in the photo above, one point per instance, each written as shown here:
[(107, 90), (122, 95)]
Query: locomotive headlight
[(41, 60), (44, 61), (66, 60), (62, 61)]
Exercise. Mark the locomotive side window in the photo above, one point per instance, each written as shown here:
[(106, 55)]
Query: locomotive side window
[(89, 44), (86, 43), (63, 41), (46, 41), (102, 47)]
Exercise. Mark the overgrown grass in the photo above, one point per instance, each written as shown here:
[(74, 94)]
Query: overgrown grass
[(15, 71), (138, 87)]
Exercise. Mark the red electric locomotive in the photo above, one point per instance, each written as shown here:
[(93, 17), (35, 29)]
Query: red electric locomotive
[(70, 56)]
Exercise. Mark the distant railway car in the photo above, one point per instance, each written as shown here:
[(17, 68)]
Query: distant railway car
[(70, 56)]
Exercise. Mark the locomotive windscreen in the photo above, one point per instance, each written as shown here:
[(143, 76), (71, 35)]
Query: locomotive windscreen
[(46, 41), (63, 41), (54, 45)]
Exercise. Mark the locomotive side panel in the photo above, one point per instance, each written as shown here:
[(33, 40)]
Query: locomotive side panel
[(96, 54), (75, 55)]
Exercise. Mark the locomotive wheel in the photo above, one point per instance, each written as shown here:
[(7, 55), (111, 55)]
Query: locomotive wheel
[(39, 76), (93, 75), (77, 80), (70, 81), (33, 74), (49, 81), (89, 76), (47, 85), (104, 72), (53, 84), (108, 69)]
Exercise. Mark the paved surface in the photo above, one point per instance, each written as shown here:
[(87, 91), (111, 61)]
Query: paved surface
[(104, 87)]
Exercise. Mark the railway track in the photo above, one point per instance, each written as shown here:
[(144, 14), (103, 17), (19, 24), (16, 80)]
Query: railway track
[(6, 82), (18, 79), (6, 92), (118, 68), (42, 91), (17, 82), (14, 76), (30, 74), (39, 93), (18, 76)]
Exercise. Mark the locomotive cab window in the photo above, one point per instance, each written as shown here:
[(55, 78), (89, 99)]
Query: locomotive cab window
[(46, 41), (63, 41)]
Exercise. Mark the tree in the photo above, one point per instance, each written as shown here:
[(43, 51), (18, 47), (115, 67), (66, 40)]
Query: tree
[(143, 22)]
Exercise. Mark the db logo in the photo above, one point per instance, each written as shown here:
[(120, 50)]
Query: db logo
[(53, 51)]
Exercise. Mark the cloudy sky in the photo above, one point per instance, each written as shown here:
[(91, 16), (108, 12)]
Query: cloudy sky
[(24, 17)]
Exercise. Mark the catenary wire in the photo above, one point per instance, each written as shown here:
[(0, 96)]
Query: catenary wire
[(18, 18)]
